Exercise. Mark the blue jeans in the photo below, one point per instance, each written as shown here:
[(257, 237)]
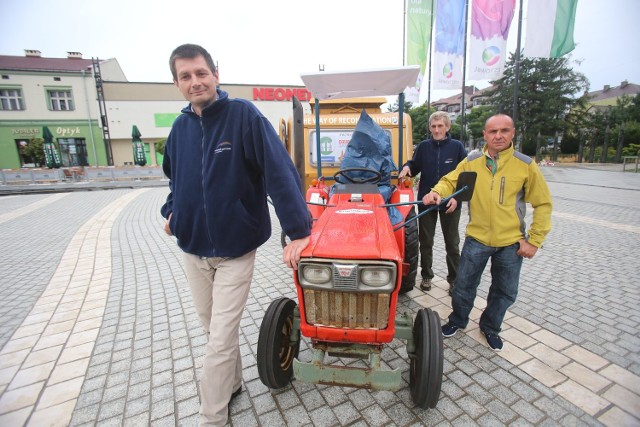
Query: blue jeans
[(505, 276)]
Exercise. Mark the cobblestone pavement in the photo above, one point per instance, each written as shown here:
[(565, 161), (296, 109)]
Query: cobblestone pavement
[(97, 325)]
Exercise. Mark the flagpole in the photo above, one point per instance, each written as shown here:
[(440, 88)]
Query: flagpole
[(404, 32), (429, 78), (464, 69), (514, 115)]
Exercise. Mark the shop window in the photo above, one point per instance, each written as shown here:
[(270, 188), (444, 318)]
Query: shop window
[(60, 100), (11, 99), (26, 157), (73, 151)]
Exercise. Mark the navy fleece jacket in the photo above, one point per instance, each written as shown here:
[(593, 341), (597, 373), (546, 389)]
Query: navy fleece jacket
[(433, 160), (221, 166)]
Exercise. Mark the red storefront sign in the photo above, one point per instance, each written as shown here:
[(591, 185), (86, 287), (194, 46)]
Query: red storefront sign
[(280, 94)]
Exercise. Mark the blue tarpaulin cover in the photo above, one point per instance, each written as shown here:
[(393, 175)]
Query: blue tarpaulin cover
[(370, 147)]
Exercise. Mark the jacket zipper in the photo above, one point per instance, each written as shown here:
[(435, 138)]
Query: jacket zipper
[(204, 193), (502, 182), (438, 159)]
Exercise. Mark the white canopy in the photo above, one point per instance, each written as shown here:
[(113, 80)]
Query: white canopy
[(354, 84)]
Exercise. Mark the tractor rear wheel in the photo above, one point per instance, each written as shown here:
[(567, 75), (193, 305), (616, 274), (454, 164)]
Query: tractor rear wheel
[(411, 250), (276, 348), (425, 372)]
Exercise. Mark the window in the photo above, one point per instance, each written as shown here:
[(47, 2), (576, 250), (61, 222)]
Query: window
[(73, 151), (60, 100), (478, 101), (26, 157), (11, 99)]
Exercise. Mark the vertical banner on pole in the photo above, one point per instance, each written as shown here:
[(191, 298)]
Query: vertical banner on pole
[(449, 44), (490, 24), (418, 41)]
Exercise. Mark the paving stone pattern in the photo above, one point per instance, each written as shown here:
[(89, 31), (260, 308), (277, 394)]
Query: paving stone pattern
[(576, 318)]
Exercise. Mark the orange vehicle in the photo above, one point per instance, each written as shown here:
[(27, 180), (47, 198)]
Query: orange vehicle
[(358, 259)]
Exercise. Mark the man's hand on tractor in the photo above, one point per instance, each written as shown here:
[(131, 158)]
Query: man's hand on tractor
[(291, 253), (406, 171), (527, 250), (431, 198)]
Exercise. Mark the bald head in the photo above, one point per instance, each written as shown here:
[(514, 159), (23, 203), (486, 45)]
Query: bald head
[(498, 133), (499, 116)]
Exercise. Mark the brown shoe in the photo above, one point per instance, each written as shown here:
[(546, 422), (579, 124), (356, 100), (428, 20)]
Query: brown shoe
[(425, 285)]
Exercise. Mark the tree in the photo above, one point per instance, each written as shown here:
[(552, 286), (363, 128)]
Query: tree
[(420, 123), (35, 150), (159, 145), (547, 92), (475, 122), (393, 108)]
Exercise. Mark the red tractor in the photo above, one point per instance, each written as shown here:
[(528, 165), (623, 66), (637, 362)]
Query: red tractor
[(350, 275)]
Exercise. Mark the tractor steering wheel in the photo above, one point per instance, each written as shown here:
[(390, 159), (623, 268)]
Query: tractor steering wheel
[(374, 179)]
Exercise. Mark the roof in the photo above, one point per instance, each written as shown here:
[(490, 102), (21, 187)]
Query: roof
[(612, 93), (470, 92), (30, 63), (355, 84)]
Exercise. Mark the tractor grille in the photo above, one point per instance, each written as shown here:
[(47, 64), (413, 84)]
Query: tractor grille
[(346, 309), (345, 277)]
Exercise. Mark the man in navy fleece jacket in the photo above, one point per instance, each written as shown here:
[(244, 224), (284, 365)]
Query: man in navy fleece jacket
[(222, 158), (433, 159)]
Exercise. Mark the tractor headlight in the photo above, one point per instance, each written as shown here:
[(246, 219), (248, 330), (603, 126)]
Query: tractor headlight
[(339, 275), (316, 274), (375, 277)]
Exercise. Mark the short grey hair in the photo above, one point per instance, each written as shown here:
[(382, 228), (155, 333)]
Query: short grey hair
[(440, 115)]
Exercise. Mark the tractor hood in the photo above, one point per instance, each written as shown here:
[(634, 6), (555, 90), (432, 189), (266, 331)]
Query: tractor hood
[(353, 231)]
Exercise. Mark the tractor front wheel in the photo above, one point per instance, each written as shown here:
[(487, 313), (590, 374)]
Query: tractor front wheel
[(411, 250), (276, 346), (425, 374)]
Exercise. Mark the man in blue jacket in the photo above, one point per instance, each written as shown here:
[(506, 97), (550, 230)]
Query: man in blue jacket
[(433, 159), (222, 158)]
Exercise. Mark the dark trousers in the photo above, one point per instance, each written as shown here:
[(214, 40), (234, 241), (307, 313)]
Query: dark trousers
[(449, 225)]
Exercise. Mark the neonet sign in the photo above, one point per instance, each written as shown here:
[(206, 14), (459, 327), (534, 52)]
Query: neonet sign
[(280, 94)]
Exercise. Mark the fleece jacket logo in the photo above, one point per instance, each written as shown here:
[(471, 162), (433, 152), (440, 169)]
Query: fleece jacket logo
[(223, 146)]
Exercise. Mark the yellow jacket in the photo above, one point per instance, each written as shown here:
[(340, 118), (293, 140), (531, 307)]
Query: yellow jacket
[(498, 206)]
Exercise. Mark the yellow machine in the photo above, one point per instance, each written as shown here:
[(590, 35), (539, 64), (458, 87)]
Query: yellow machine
[(338, 118)]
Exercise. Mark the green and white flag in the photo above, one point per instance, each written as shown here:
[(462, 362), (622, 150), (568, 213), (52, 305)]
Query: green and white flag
[(550, 26), (418, 41)]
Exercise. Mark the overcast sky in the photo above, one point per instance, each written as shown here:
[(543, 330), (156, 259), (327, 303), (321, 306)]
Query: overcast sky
[(271, 42)]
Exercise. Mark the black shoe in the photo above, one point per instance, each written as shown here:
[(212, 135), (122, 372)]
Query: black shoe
[(494, 341), (449, 330), (235, 393), (425, 285), (233, 396)]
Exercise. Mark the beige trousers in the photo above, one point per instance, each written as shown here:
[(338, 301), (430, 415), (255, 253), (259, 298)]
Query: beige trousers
[(219, 288)]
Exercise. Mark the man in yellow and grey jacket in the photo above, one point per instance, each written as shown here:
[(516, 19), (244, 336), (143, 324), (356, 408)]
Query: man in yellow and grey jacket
[(506, 181)]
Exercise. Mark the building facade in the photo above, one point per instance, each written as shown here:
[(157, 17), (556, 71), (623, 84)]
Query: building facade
[(59, 93), (90, 109), (153, 107)]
